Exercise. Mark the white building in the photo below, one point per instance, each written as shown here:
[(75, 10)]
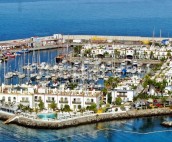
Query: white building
[(74, 98), (124, 93)]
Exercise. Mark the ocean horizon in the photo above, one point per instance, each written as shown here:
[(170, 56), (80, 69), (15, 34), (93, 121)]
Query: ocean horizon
[(29, 18)]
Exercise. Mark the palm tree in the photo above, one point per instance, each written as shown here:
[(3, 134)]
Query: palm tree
[(151, 55), (169, 53), (111, 83), (53, 105), (20, 106), (117, 53), (67, 109), (41, 105)]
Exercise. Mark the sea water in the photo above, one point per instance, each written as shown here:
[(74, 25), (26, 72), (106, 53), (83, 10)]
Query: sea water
[(28, 18), (133, 130)]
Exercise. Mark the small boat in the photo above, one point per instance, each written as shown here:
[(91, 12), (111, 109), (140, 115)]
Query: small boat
[(25, 50), (8, 75), (135, 63), (38, 77), (21, 76), (9, 54), (33, 75), (18, 53), (47, 76), (12, 56)]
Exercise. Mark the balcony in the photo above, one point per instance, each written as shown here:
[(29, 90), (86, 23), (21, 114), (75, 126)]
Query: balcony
[(36, 100), (89, 103), (24, 101), (50, 101), (63, 101), (76, 102)]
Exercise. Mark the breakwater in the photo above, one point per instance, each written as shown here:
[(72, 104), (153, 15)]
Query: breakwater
[(94, 118)]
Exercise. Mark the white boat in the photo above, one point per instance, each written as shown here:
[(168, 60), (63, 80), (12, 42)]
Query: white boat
[(33, 75), (48, 76), (8, 75), (38, 77), (21, 76), (135, 63)]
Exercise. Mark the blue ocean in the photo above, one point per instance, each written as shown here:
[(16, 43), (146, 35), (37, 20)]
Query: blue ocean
[(133, 130), (28, 18)]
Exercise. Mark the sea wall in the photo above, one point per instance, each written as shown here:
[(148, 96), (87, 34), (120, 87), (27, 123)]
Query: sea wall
[(56, 124), (4, 116)]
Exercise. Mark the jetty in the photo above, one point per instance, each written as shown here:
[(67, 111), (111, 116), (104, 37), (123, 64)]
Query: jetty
[(12, 118), (113, 61)]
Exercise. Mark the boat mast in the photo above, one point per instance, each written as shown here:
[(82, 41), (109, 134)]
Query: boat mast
[(4, 72)]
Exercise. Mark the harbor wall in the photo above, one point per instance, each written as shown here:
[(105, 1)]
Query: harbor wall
[(127, 38), (56, 124), (87, 37)]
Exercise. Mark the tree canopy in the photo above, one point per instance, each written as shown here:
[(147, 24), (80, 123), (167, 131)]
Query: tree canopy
[(41, 105), (118, 101), (53, 105), (111, 83)]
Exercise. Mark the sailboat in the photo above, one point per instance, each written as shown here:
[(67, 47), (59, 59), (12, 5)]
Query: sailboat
[(21, 75), (9, 74)]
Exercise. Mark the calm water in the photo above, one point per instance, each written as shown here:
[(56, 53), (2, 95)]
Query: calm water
[(16, 64), (135, 130), (26, 18)]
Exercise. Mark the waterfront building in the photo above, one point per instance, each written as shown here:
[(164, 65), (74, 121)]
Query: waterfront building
[(31, 96), (124, 92)]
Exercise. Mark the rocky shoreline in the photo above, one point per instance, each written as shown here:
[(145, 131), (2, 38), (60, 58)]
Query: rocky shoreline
[(94, 118)]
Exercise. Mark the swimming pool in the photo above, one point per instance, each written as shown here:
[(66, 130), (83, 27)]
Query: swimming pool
[(46, 116)]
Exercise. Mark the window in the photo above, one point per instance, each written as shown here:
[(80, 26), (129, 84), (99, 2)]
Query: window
[(61, 99), (78, 99), (74, 106), (92, 100), (9, 99)]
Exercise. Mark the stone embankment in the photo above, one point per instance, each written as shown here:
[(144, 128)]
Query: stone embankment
[(94, 118)]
